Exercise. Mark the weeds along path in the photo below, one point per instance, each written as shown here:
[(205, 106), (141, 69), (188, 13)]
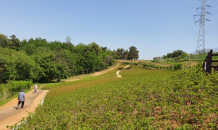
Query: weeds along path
[(9, 115), (117, 73)]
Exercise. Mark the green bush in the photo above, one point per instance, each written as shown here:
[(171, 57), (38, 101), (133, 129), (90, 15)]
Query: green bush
[(2, 88), (126, 63), (13, 87), (16, 86), (178, 66)]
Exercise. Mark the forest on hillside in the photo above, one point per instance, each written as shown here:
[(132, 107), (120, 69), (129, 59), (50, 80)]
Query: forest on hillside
[(42, 61)]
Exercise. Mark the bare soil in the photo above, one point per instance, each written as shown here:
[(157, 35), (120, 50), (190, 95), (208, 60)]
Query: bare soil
[(75, 78), (118, 72), (104, 71), (133, 61), (10, 115)]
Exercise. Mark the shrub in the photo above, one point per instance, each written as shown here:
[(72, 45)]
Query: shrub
[(2, 88), (12, 88), (178, 66)]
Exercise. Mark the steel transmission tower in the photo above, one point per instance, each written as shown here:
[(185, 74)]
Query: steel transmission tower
[(201, 35)]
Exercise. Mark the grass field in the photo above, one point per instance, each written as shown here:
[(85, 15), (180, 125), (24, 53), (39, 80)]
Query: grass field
[(141, 99), (188, 63)]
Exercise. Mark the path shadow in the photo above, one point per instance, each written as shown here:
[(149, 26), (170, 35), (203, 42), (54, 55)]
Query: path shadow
[(16, 108)]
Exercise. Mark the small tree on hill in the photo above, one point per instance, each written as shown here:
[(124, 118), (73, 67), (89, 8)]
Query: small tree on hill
[(133, 54), (176, 53)]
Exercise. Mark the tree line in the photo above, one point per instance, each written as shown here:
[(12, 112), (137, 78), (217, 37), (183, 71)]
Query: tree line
[(42, 61), (175, 53), (121, 53)]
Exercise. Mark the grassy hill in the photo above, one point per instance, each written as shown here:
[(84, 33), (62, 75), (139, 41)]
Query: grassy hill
[(142, 99)]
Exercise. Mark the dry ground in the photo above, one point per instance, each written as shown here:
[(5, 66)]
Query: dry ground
[(9, 115)]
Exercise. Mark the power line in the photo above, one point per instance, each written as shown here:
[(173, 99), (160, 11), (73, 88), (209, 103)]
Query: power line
[(212, 6), (213, 14), (212, 27), (202, 19), (209, 29), (211, 2)]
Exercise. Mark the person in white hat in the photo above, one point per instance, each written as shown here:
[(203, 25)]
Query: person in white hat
[(35, 88)]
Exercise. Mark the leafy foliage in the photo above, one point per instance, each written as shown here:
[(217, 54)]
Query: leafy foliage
[(133, 54), (142, 99), (176, 53), (12, 88), (177, 66), (16, 65), (42, 61)]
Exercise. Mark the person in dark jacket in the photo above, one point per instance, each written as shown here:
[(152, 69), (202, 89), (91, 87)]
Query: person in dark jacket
[(21, 98)]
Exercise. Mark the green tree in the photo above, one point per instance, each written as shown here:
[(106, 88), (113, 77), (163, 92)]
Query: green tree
[(120, 53), (125, 55), (176, 53), (14, 42), (95, 48), (65, 64), (164, 56), (16, 65), (46, 60), (108, 60), (114, 54), (3, 40), (43, 61), (133, 54), (104, 49), (91, 60)]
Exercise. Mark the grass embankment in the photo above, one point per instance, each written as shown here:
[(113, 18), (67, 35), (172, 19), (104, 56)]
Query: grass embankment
[(142, 99), (77, 79), (185, 61), (82, 78), (188, 60), (160, 63), (163, 65)]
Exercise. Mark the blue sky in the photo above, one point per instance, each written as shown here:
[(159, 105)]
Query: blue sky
[(154, 27)]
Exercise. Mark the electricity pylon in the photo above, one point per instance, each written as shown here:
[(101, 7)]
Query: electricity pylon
[(201, 35)]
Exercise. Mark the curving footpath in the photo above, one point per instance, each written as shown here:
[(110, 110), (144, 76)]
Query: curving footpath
[(94, 74), (9, 115), (104, 71), (118, 72)]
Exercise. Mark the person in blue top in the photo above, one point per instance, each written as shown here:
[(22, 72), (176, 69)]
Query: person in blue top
[(21, 98)]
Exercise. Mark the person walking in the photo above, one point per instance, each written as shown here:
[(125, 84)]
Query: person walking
[(21, 98), (35, 88)]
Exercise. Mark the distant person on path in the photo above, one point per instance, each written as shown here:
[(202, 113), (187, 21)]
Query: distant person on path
[(21, 98), (35, 88)]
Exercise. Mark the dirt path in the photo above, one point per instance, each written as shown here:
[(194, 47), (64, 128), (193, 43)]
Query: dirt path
[(104, 71), (75, 78), (118, 72), (9, 115)]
